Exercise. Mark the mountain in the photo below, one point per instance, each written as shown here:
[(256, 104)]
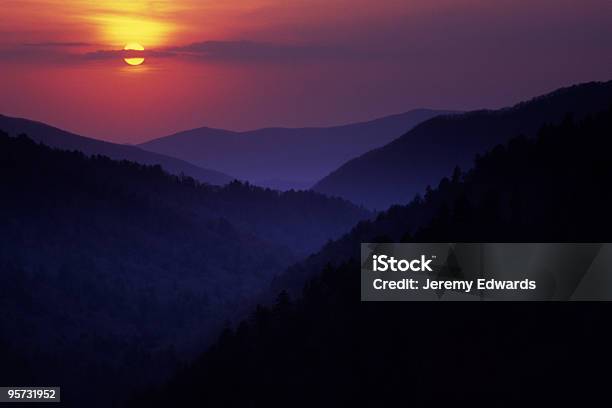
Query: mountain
[(328, 349), (55, 137), (114, 272), (284, 158), (396, 172)]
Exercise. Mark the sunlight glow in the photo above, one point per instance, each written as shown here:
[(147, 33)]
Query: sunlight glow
[(133, 46), (117, 30)]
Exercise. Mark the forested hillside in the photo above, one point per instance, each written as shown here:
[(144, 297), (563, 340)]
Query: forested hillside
[(394, 173), (329, 349), (112, 271), (58, 138)]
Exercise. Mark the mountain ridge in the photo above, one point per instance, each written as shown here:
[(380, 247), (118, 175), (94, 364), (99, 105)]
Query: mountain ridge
[(59, 138), (285, 157), (117, 247), (396, 172), (326, 341)]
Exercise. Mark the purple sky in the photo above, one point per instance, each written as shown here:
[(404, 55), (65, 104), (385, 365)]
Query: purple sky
[(292, 63)]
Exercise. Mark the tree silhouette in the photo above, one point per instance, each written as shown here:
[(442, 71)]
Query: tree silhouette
[(328, 349)]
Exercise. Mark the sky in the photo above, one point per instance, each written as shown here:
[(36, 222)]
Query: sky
[(246, 64)]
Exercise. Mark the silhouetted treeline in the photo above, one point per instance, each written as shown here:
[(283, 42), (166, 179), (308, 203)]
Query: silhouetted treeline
[(518, 184), (271, 215), (394, 173), (114, 271), (329, 349)]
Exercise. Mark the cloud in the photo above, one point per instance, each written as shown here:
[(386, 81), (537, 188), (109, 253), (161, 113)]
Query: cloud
[(26, 53), (66, 53), (49, 52), (249, 50), (241, 51), (205, 51), (58, 44), (115, 54)]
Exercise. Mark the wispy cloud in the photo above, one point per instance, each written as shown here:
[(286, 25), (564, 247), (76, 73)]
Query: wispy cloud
[(50, 52), (58, 44), (249, 50), (28, 53), (114, 54), (204, 51), (243, 52)]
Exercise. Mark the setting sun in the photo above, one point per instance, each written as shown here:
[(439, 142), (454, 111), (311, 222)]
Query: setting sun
[(134, 47)]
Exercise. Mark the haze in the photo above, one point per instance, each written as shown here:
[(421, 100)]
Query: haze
[(247, 64)]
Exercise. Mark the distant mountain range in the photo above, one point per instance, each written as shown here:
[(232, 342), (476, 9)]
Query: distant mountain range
[(553, 188), (285, 158), (54, 137), (125, 268), (396, 172)]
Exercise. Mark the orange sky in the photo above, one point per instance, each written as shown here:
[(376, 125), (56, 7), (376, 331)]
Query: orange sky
[(243, 64)]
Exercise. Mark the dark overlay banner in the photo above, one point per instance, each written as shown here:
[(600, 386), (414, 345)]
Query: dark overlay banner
[(486, 271)]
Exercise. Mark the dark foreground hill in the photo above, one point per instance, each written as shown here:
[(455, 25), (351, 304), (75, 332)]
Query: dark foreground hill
[(328, 349), (285, 158), (394, 173), (55, 137), (113, 271)]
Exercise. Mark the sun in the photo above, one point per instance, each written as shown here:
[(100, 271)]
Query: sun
[(133, 47)]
